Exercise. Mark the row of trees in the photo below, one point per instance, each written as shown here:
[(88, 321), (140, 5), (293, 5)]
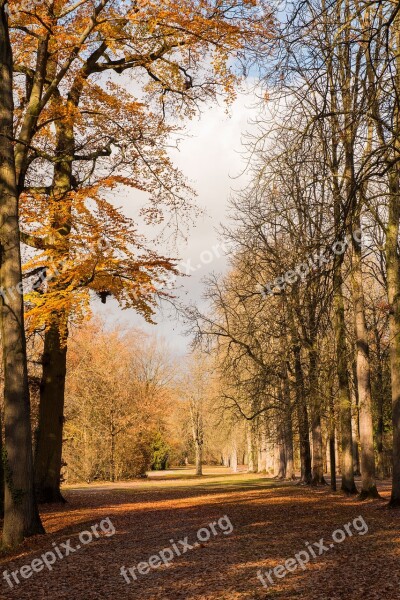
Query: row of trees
[(151, 411), (72, 132), (305, 327)]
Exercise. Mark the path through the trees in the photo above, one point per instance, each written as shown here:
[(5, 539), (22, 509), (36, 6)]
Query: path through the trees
[(272, 523)]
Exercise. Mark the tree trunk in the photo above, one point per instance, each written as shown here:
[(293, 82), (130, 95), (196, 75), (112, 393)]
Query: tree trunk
[(368, 483), (199, 458), (1, 473), (251, 448), (288, 430), (302, 417), (355, 422), (379, 395), (280, 454), (344, 189), (21, 516), (348, 484), (48, 453), (315, 401), (250, 463), (332, 443), (290, 471), (270, 459), (280, 449), (332, 459), (234, 457), (355, 438), (262, 454), (112, 454), (393, 285), (380, 425)]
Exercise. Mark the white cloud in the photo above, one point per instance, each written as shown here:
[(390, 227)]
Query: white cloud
[(211, 158)]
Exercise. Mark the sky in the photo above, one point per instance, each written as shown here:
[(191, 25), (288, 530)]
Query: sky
[(211, 157)]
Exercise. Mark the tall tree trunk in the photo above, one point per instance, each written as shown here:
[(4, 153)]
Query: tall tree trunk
[(251, 452), (234, 456), (49, 437), (393, 281), (363, 371), (342, 185), (332, 444), (262, 453), (315, 402), (1, 472), (290, 472), (380, 466), (280, 454), (196, 416), (48, 455), (393, 285), (348, 484), (113, 435), (355, 429), (52, 396), (21, 516), (288, 430), (270, 459), (379, 395), (199, 458), (355, 421), (302, 418)]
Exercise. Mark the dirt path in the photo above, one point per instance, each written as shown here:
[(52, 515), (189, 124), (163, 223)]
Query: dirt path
[(271, 523)]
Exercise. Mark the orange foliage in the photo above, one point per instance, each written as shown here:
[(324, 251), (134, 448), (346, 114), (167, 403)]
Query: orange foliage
[(83, 131)]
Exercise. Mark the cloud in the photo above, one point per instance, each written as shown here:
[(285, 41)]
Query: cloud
[(211, 157)]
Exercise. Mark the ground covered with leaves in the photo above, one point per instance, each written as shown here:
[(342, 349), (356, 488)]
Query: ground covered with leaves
[(272, 522)]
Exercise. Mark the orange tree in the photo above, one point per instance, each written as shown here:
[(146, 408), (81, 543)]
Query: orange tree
[(84, 244)]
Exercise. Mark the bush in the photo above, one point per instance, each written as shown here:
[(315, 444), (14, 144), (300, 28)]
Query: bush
[(160, 453)]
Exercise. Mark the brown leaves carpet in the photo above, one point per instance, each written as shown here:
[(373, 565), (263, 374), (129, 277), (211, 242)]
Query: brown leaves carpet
[(272, 521)]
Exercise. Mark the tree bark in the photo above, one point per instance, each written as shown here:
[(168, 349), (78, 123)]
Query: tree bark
[(348, 483), (393, 285), (21, 516), (280, 458), (288, 430), (262, 454), (332, 443), (48, 454), (280, 454), (363, 369), (302, 418), (199, 458), (252, 457), (315, 401), (1, 473), (379, 395), (234, 457), (393, 282)]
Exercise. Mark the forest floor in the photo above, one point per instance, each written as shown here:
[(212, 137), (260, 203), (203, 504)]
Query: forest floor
[(272, 522)]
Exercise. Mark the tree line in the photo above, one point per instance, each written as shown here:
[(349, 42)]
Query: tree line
[(305, 327)]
